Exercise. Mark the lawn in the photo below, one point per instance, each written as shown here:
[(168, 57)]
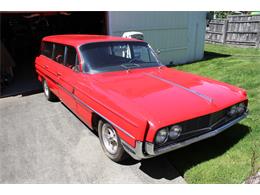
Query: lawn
[(226, 158)]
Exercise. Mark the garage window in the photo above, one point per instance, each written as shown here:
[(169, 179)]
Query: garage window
[(47, 49)]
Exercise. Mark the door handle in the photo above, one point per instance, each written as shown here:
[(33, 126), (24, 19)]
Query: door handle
[(45, 67), (58, 74)]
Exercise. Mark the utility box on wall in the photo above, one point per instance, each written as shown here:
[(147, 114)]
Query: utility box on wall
[(178, 35)]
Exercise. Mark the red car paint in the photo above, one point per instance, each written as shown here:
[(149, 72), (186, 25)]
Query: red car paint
[(138, 102)]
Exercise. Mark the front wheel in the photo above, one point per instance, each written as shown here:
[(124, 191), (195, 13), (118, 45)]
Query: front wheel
[(47, 92), (110, 142)]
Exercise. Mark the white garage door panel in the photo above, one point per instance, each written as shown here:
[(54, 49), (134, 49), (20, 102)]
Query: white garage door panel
[(147, 20), (176, 55), (164, 39), (179, 35)]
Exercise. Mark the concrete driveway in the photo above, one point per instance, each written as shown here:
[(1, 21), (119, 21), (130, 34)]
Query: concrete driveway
[(43, 142)]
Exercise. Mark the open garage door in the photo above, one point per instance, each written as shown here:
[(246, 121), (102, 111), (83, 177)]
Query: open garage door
[(21, 35)]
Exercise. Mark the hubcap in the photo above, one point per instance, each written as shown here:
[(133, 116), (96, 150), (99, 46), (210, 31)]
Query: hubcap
[(109, 138), (46, 88)]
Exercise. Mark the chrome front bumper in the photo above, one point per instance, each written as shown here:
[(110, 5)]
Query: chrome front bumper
[(145, 150)]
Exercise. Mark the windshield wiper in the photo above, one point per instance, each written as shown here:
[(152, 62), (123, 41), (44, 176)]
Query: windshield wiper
[(132, 60), (130, 65)]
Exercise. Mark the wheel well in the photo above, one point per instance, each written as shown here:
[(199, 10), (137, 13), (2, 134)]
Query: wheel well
[(40, 78), (94, 121)]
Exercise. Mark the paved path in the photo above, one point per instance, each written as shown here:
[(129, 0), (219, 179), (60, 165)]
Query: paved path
[(43, 142)]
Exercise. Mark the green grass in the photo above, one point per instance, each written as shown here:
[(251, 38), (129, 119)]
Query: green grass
[(225, 158)]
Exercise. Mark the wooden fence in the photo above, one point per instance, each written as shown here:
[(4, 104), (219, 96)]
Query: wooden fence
[(239, 30)]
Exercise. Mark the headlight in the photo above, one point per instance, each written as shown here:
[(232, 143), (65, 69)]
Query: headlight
[(175, 131), (241, 108), (237, 109), (232, 111), (162, 136)]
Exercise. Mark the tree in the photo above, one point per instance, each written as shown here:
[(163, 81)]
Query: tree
[(224, 14)]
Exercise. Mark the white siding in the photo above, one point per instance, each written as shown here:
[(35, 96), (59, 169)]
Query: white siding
[(179, 35)]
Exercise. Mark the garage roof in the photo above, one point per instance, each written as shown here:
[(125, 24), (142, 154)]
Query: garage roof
[(79, 39)]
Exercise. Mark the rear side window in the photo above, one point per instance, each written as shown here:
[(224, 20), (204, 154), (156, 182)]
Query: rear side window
[(59, 53), (47, 49), (71, 57)]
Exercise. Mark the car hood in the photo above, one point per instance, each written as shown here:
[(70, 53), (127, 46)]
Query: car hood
[(165, 96)]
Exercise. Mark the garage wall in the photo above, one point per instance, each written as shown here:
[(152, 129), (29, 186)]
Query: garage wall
[(178, 35)]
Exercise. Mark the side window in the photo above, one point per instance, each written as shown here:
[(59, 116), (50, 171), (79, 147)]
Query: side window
[(46, 49), (141, 53), (71, 57), (59, 53)]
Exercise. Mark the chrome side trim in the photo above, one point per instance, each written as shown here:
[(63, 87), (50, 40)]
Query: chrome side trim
[(150, 146), (93, 110), (90, 108), (111, 110), (208, 99)]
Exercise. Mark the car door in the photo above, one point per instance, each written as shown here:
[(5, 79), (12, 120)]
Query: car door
[(47, 67), (66, 59)]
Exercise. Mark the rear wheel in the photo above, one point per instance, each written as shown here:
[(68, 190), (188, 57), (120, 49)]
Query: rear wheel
[(47, 92), (110, 142)]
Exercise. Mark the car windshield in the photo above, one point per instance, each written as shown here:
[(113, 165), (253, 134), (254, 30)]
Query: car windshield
[(114, 56)]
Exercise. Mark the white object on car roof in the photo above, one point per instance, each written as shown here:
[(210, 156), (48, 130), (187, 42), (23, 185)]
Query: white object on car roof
[(134, 34)]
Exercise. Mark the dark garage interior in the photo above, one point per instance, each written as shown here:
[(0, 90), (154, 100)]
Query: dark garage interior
[(21, 35)]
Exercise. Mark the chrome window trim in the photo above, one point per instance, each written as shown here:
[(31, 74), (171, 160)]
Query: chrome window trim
[(89, 43)]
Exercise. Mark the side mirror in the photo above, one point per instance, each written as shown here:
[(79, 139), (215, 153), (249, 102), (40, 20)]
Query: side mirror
[(158, 51)]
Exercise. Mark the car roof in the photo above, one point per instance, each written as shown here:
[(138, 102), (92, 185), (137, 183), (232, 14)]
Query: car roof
[(79, 39)]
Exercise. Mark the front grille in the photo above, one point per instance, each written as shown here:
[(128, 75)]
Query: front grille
[(203, 121), (201, 125)]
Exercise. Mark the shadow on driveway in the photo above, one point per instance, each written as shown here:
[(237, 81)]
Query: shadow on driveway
[(185, 158)]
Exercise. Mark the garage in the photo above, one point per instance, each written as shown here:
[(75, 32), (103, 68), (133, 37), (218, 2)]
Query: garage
[(21, 34), (178, 36)]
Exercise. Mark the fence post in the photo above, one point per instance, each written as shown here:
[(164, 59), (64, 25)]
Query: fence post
[(224, 31), (257, 44)]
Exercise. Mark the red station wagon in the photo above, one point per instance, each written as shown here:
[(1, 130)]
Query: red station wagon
[(118, 87)]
